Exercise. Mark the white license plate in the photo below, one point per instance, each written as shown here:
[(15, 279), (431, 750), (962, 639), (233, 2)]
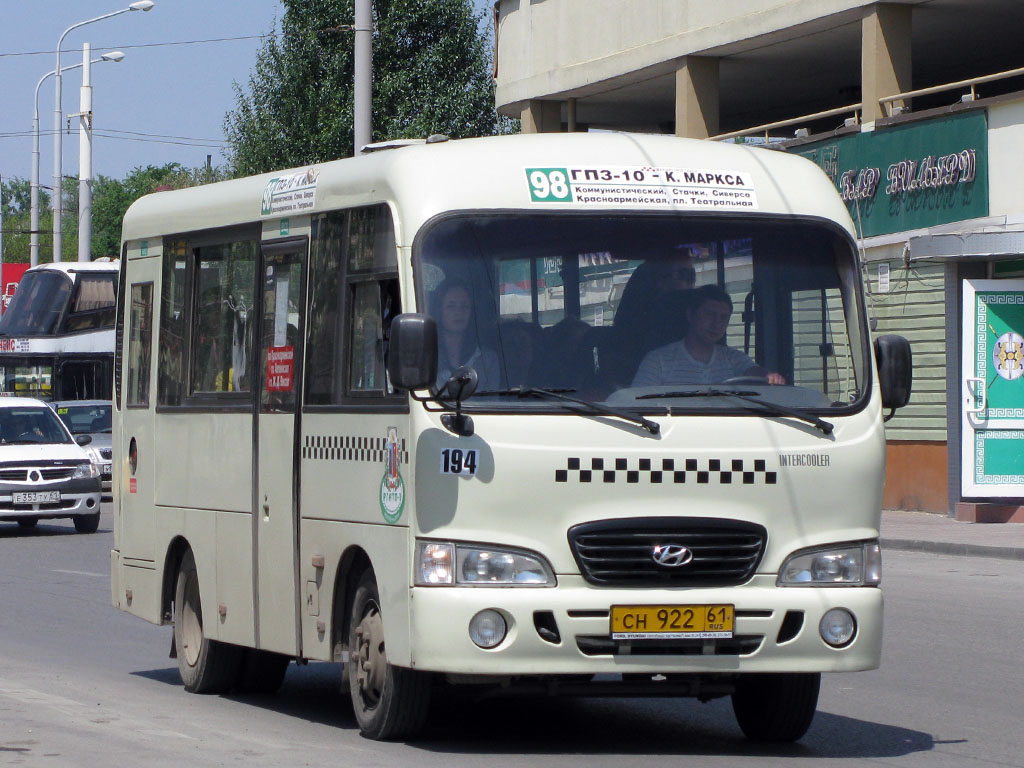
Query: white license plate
[(36, 497), (105, 469)]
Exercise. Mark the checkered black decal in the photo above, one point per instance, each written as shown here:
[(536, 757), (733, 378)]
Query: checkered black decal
[(655, 471), (349, 448)]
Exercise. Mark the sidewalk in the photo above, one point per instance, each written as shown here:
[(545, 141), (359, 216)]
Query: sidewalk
[(925, 532)]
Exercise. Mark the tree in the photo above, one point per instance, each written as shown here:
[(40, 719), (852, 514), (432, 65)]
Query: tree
[(431, 74), (111, 198), (17, 219)]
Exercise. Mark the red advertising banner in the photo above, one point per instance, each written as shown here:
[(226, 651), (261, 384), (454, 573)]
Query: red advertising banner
[(280, 368), (12, 274)]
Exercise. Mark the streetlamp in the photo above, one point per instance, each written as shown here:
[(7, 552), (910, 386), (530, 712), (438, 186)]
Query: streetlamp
[(34, 235), (58, 206)]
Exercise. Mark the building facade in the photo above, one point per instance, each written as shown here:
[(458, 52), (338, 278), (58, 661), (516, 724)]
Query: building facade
[(914, 109)]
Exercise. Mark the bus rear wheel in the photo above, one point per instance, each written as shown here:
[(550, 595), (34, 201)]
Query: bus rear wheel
[(205, 666), (389, 702), (776, 707)]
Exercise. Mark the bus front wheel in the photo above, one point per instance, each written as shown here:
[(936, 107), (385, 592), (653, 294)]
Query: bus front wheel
[(389, 702), (205, 666), (776, 707)]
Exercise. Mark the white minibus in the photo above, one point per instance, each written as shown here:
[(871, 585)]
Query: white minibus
[(580, 414)]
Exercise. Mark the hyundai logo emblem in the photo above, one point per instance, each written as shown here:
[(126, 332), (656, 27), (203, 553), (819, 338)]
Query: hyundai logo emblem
[(671, 555)]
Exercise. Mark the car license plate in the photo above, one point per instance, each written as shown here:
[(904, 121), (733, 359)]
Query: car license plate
[(36, 497), (104, 469), (671, 622)]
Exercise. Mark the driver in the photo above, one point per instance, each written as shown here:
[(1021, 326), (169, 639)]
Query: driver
[(699, 358)]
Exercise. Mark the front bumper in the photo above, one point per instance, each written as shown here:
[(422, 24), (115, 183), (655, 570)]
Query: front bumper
[(440, 619), (77, 497)]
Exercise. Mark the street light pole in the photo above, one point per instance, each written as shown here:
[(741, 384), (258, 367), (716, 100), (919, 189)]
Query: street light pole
[(58, 206), (85, 159), (34, 217)]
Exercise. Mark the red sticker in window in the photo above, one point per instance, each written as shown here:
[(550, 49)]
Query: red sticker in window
[(280, 368)]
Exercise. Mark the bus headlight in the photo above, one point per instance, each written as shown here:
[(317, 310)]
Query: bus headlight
[(85, 471), (851, 565), (445, 562)]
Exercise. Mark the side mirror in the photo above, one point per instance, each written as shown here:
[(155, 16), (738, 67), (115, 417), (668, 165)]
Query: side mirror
[(412, 352), (83, 440), (895, 370)]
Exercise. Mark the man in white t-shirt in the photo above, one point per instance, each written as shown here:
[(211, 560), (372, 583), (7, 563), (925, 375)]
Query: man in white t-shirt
[(699, 358)]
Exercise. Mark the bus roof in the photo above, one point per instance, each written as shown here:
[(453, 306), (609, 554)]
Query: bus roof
[(425, 180), (71, 267)]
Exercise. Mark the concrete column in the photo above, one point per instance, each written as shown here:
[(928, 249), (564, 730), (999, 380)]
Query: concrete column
[(542, 117), (885, 56), (697, 97)]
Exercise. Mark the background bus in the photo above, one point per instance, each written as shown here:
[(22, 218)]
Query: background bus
[(57, 335)]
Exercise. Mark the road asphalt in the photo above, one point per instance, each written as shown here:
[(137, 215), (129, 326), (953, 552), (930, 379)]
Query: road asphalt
[(927, 532)]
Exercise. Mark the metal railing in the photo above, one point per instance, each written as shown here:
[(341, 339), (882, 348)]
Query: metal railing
[(768, 127), (886, 101)]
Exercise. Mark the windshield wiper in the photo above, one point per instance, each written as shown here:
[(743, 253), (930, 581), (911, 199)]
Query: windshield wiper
[(592, 408), (762, 405)]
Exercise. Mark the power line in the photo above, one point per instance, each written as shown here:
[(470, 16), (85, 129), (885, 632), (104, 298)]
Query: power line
[(146, 45), (110, 134)]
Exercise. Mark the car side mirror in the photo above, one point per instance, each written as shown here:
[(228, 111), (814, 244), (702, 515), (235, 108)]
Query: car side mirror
[(412, 351), (895, 370), (83, 440)]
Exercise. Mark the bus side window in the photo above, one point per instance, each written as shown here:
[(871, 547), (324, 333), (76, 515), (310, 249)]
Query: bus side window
[(374, 305), (353, 298), (171, 365), (140, 337)]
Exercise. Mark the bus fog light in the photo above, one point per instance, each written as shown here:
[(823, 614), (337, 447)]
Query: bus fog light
[(837, 627), (488, 628)]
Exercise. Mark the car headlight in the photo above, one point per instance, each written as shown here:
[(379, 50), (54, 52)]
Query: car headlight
[(848, 565), (445, 562), (86, 470)]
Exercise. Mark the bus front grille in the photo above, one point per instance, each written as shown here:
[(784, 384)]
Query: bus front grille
[(705, 552)]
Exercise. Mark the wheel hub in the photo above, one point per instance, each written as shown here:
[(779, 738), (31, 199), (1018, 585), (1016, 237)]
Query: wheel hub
[(369, 656)]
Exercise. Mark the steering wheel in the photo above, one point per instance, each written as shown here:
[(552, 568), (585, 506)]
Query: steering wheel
[(27, 435), (747, 380)]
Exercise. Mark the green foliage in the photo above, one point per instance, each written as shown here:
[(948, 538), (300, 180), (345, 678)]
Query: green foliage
[(431, 74), (110, 200)]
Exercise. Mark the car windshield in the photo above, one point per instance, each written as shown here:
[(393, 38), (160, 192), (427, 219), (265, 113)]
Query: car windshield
[(85, 419), (647, 312), (31, 424)]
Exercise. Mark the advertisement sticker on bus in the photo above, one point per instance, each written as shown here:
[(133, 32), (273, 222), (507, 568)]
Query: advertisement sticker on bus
[(293, 193), (392, 487), (695, 188)]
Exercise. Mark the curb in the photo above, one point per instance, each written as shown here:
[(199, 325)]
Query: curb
[(954, 548)]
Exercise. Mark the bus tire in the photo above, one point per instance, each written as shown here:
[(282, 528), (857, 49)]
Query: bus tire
[(27, 523), (205, 666), (87, 523), (261, 671), (776, 707), (389, 702)]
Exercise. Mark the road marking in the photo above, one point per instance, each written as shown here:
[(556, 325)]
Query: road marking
[(81, 573)]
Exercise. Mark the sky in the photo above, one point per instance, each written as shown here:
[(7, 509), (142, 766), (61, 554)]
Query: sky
[(165, 102)]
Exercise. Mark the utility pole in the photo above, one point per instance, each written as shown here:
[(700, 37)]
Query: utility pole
[(363, 63), (85, 159)]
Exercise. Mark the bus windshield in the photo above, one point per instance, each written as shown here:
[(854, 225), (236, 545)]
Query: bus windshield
[(651, 312), (37, 305)]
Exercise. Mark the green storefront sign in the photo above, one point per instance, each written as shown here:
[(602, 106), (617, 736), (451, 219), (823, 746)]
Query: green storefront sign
[(910, 176)]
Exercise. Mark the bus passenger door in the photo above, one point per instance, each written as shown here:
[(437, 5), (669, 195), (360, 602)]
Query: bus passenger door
[(275, 526)]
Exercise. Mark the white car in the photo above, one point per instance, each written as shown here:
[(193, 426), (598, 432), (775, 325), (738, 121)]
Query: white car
[(45, 473), (93, 418)]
